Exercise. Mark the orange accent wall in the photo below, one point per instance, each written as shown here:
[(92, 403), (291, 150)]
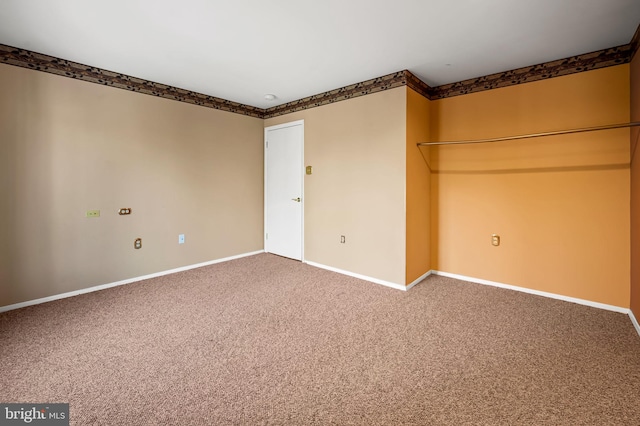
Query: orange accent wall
[(560, 204), (635, 188), (418, 203)]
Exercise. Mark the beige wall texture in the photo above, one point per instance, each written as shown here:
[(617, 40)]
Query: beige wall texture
[(560, 204), (635, 188), (68, 146), (418, 187), (357, 150)]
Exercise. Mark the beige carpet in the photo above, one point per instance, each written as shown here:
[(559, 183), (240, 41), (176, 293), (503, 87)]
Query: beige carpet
[(266, 340)]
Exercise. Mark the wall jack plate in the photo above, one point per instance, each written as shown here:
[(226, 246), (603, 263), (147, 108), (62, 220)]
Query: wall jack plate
[(124, 211), (137, 244), (495, 240)]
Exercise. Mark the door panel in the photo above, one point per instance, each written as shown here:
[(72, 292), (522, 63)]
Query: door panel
[(283, 191)]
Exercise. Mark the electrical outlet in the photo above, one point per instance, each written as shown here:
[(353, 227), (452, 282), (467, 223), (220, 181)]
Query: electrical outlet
[(343, 239), (495, 240), (137, 243), (124, 211), (92, 213), (181, 239)]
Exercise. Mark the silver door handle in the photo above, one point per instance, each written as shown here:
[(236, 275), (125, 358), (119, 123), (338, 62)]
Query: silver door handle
[(296, 199)]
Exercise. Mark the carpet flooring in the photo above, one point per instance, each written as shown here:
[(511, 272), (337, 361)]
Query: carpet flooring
[(267, 340)]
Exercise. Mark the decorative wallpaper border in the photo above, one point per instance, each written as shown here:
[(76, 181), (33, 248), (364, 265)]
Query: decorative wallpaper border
[(389, 81), (39, 62), (418, 85), (386, 82), (575, 64), (635, 43)]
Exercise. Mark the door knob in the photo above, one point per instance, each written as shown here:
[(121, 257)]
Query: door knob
[(296, 199)]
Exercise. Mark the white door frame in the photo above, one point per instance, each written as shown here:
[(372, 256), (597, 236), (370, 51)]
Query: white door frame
[(276, 127)]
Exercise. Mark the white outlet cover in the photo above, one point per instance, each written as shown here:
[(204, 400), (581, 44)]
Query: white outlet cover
[(181, 239)]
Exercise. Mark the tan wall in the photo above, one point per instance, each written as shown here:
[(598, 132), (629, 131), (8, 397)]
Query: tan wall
[(418, 188), (68, 146), (635, 188), (560, 204), (357, 150)]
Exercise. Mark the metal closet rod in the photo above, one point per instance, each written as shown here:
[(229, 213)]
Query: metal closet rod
[(534, 135)]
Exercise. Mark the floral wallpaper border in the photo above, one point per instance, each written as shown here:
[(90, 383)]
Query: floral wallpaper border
[(585, 62), (39, 62), (575, 64)]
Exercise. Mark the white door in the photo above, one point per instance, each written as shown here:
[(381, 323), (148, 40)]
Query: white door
[(284, 190)]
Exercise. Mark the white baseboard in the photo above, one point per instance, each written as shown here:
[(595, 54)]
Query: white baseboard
[(361, 277), (634, 321), (123, 282), (536, 292), (420, 278)]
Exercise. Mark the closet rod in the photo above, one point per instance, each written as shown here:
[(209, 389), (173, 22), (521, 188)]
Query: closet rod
[(534, 135)]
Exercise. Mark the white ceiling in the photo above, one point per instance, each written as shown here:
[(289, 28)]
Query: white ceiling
[(241, 50)]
